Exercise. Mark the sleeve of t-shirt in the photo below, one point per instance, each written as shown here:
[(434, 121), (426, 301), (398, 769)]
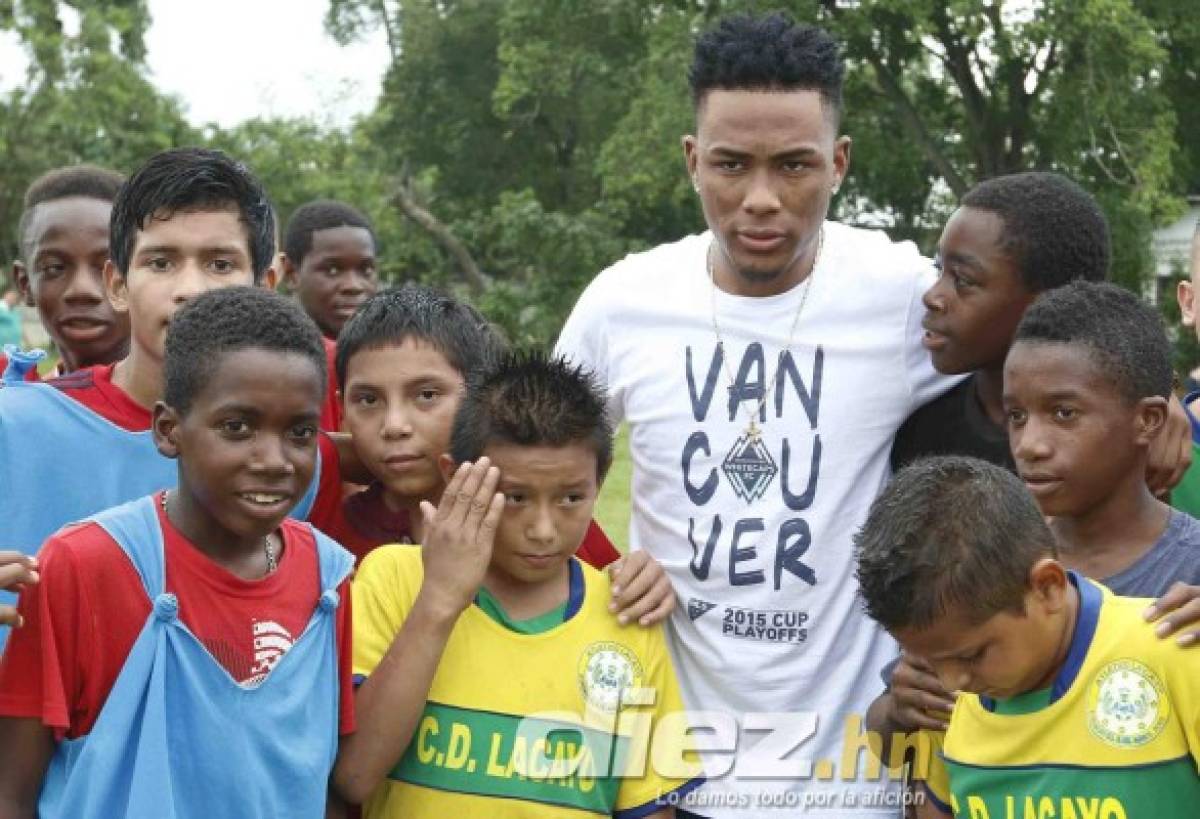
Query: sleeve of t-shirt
[(345, 646), (584, 341), (323, 513), (924, 382), (937, 776), (40, 669), (597, 550), (383, 596), (669, 768)]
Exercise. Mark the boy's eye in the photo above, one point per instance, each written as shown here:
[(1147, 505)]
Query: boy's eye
[(1065, 413), (572, 498), (235, 427), (1015, 417), (159, 264), (332, 270), (793, 165), (304, 432), (223, 265), (428, 395), (514, 497), (51, 269), (366, 399)]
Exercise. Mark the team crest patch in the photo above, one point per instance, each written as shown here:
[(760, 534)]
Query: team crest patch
[(1127, 704), (749, 467), (607, 673)]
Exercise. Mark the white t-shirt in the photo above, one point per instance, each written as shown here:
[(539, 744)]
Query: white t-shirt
[(757, 537)]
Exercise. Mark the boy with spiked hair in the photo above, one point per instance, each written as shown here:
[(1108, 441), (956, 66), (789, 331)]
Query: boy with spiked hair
[(403, 363), (185, 654), (1071, 705), (495, 586)]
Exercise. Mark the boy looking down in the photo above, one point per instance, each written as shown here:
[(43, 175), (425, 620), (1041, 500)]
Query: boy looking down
[(1071, 705), (496, 586)]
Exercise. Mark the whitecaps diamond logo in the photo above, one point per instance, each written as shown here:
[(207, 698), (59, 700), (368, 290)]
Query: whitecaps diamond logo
[(749, 467)]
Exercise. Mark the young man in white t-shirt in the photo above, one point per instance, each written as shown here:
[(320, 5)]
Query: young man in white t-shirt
[(763, 368)]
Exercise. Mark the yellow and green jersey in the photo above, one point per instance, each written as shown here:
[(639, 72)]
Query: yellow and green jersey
[(1117, 736), (582, 718)]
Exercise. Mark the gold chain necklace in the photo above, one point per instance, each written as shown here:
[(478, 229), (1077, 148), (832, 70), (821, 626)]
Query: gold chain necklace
[(753, 433), (272, 561)]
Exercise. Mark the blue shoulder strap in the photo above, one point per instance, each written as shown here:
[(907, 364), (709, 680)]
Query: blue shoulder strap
[(20, 362), (336, 563), (134, 526)]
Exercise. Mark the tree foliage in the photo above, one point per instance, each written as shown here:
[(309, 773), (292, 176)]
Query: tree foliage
[(542, 137)]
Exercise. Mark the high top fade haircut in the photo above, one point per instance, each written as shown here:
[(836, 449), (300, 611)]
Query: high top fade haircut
[(320, 214), (949, 535), (1054, 231), (228, 320), (1123, 335), (769, 53), (87, 181), (390, 317), (187, 180), (531, 399)]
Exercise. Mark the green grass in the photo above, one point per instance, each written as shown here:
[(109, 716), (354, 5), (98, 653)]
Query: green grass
[(612, 507)]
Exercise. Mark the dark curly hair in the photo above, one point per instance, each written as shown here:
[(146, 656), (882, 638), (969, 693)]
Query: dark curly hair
[(88, 181), (530, 399), (1054, 230), (1125, 336), (320, 214), (189, 179), (227, 320), (412, 311), (769, 53), (949, 534)]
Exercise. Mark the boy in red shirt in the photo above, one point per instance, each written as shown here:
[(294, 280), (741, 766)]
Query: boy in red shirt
[(109, 689), (403, 362), (63, 233)]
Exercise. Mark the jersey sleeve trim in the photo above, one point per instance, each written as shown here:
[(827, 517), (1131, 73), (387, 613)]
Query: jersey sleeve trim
[(933, 797), (672, 798)]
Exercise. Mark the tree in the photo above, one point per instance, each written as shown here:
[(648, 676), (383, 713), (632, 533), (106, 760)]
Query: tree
[(985, 88), (85, 98)]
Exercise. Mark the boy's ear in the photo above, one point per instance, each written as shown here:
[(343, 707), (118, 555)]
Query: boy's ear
[(1150, 418), (20, 277), (1048, 580), (1186, 294), (164, 425), (447, 466), (270, 278), (116, 287), (288, 271)]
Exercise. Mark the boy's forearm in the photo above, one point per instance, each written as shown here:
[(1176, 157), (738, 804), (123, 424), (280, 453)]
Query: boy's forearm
[(879, 722), (25, 748), (390, 702)]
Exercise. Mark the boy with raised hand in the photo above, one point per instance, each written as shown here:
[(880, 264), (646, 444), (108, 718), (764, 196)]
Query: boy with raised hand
[(63, 239), (496, 589), (329, 259), (1071, 705), (402, 366), (185, 654)]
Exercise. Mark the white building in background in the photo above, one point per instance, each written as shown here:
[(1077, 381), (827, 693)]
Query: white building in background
[(1173, 247)]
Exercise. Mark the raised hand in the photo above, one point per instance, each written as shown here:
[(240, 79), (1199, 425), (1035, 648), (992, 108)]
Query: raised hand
[(459, 535)]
